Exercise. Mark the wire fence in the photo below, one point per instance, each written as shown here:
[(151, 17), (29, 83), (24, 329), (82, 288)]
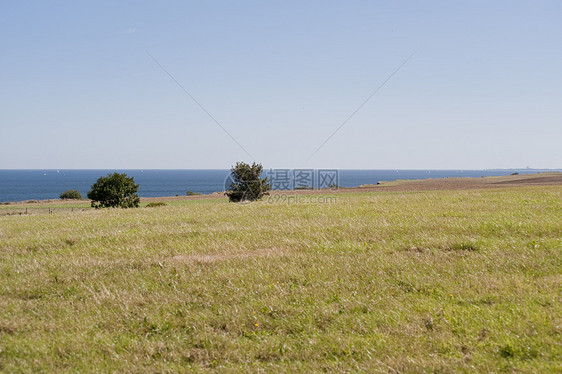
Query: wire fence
[(22, 211)]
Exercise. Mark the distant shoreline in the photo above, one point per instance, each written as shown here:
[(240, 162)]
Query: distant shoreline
[(37, 184), (428, 184)]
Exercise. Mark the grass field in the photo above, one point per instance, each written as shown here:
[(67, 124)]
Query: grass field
[(435, 281)]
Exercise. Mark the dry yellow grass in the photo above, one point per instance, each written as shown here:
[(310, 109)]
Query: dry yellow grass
[(438, 281)]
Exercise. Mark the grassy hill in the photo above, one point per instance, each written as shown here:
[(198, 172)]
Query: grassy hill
[(397, 281)]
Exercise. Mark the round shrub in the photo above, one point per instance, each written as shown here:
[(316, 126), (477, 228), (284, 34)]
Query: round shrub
[(70, 195), (245, 183), (115, 190)]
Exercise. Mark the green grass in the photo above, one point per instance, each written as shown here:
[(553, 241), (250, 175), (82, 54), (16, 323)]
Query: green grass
[(442, 281), (55, 204)]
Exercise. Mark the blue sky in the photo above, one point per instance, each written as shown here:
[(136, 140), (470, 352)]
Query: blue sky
[(483, 90)]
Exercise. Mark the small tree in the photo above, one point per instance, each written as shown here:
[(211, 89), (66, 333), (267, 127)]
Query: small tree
[(115, 190), (71, 195), (246, 183)]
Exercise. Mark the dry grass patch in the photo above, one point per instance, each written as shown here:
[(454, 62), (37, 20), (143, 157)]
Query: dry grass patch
[(440, 281), (224, 256)]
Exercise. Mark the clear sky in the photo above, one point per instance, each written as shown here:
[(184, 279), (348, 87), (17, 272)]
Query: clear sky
[(483, 90)]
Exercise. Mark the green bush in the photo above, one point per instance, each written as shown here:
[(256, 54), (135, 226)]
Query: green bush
[(246, 183), (155, 204), (115, 190), (191, 193), (71, 195)]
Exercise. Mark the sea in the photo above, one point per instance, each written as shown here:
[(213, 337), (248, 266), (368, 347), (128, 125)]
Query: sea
[(21, 185)]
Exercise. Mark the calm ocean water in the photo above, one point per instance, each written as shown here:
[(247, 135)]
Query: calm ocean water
[(19, 185)]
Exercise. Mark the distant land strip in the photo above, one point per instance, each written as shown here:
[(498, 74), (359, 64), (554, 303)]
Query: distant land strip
[(430, 184)]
